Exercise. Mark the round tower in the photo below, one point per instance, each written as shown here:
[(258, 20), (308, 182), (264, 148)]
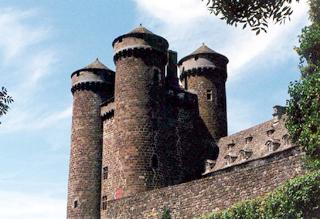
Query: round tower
[(90, 87), (204, 72), (140, 58)]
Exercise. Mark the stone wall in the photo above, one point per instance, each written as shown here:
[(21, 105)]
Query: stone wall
[(85, 157), (217, 191)]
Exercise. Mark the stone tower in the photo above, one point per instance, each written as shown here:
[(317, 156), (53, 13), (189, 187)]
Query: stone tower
[(90, 87), (204, 72), (140, 58)]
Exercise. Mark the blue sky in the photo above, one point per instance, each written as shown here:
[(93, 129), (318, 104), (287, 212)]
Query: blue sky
[(43, 42)]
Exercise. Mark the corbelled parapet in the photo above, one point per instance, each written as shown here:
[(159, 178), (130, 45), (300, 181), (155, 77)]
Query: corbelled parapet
[(204, 72)]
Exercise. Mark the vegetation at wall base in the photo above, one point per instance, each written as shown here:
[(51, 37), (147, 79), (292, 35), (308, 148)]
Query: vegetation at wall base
[(297, 198), (166, 213)]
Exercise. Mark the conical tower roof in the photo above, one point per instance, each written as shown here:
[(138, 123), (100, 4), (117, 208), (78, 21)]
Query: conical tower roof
[(141, 32), (141, 29), (203, 49), (96, 64)]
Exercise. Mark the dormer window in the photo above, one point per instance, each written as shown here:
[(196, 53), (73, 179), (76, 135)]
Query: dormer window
[(270, 132), (286, 139), (230, 158), (231, 145), (273, 144), (209, 165), (196, 58), (248, 139), (245, 154), (209, 95)]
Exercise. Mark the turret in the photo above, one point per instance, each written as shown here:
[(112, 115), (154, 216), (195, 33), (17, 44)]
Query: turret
[(204, 72), (172, 79), (140, 58), (91, 85)]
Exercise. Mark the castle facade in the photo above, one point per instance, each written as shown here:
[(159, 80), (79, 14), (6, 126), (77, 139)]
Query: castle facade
[(138, 129)]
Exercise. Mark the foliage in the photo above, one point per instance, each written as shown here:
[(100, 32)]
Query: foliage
[(309, 49), (5, 100), (303, 111), (166, 213), (298, 198), (253, 13), (314, 12)]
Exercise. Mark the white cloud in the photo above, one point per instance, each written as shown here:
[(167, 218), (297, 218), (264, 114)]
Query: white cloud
[(187, 23), (15, 205), (28, 120), (28, 63), (16, 35), (174, 12)]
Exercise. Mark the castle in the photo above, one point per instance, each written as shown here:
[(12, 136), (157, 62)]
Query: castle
[(137, 131)]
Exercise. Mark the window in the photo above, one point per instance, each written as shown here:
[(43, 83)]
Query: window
[(75, 204), (270, 132), (231, 145), (230, 158), (196, 58), (154, 162), (156, 77), (249, 139), (105, 173), (245, 154), (273, 144), (209, 95), (104, 203), (286, 139)]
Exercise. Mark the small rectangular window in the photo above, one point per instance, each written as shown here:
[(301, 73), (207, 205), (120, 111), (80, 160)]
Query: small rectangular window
[(209, 95), (105, 173), (104, 203)]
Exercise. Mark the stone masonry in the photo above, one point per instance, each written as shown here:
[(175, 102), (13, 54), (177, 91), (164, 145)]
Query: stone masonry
[(141, 142)]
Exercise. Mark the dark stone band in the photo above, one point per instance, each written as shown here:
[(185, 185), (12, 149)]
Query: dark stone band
[(151, 57), (215, 72), (92, 85), (107, 115)]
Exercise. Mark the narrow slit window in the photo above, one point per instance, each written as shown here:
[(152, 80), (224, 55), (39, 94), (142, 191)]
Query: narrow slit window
[(154, 162), (75, 204), (104, 203), (105, 173), (156, 77), (209, 95)]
